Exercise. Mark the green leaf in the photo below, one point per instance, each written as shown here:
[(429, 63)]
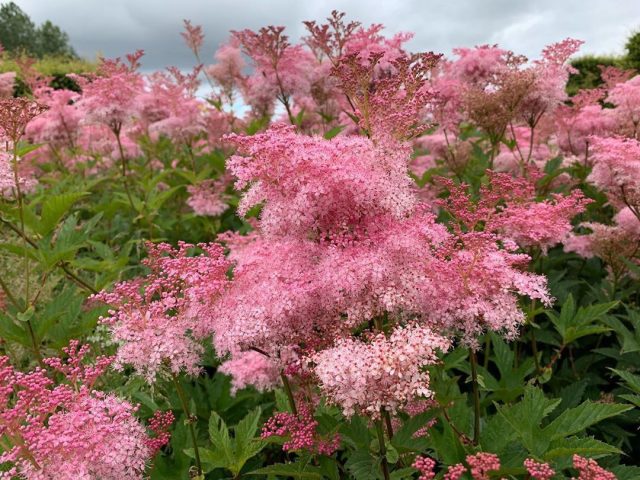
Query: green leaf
[(54, 208), (632, 380), (334, 132), (567, 447), (295, 470), (577, 419), (363, 466), (220, 439)]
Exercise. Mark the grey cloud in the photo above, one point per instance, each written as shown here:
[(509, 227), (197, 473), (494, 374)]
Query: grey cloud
[(116, 27)]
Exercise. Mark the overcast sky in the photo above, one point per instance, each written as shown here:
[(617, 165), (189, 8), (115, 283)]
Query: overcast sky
[(116, 27)]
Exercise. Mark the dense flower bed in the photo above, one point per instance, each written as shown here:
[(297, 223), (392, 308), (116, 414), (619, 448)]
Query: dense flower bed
[(372, 263)]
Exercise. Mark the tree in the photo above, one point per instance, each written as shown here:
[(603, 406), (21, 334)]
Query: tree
[(51, 40), (633, 50), (19, 34), (17, 31)]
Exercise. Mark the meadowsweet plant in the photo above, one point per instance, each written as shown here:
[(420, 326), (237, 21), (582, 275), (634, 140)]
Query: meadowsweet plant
[(344, 260)]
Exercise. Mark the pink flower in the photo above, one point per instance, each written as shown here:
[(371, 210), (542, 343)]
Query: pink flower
[(68, 431), (588, 469), (616, 170), (425, 466), (157, 320), (481, 464), (300, 429), (454, 472), (251, 369), (538, 470), (366, 377), (208, 197), (193, 36)]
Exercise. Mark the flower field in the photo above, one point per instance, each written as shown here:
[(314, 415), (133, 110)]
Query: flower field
[(346, 260)]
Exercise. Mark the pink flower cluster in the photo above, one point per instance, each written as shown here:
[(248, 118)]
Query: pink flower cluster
[(157, 319), (67, 430), (538, 470), (251, 368), (301, 431), (383, 373), (588, 469)]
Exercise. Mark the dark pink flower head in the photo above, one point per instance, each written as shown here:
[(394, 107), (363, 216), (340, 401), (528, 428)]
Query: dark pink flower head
[(538, 470), (75, 369), (330, 39), (193, 36), (392, 106), (588, 469), (425, 466), (15, 114), (481, 464), (300, 430)]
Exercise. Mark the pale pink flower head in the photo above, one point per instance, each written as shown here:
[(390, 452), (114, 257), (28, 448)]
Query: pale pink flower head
[(208, 198), (110, 96), (480, 64), (366, 43), (158, 319), (382, 373), (227, 72), (251, 368), (67, 431), (616, 170), (626, 98), (7, 84), (551, 73)]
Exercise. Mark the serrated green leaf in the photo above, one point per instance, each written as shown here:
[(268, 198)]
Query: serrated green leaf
[(294, 470), (577, 419)]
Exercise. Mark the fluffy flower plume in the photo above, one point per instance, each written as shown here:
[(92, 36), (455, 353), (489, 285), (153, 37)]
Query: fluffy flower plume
[(616, 170), (155, 319), (383, 373), (316, 187), (251, 369)]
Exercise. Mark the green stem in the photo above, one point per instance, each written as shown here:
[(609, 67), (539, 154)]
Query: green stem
[(476, 396), (36, 344), (289, 392), (123, 164), (384, 465), (190, 422)]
